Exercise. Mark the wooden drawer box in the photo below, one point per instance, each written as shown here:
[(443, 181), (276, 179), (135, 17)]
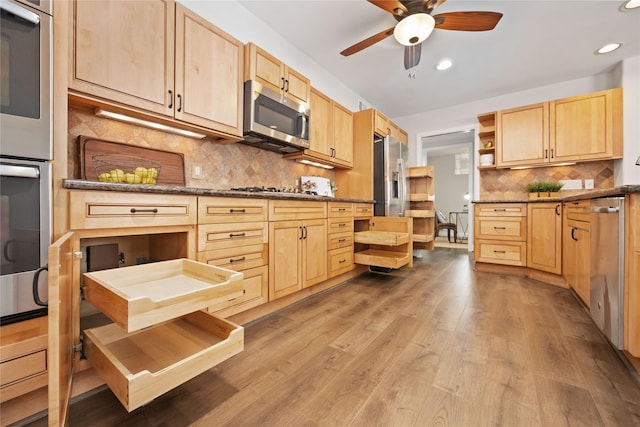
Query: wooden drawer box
[(579, 210), (95, 209), (509, 253), (362, 210), (339, 210), (340, 261), (339, 240), (237, 259), (231, 235), (382, 258), (140, 366), (216, 210), (339, 225), (23, 367), (500, 209), (386, 238), (255, 292), (509, 228), (284, 210), (142, 295)]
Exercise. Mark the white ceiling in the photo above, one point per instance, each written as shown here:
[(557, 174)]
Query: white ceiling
[(535, 44)]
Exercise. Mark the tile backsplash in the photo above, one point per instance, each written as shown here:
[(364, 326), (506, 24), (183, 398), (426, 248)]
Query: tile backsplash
[(508, 184), (223, 165)]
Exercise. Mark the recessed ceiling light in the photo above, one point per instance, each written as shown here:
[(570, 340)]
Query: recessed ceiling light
[(631, 4), (608, 48), (444, 64)]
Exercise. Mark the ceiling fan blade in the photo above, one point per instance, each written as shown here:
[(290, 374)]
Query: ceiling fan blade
[(467, 21), (391, 6), (367, 42), (412, 55)]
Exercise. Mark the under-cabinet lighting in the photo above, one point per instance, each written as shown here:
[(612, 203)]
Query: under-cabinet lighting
[(543, 166), (630, 5), (99, 112), (312, 163), (608, 48)]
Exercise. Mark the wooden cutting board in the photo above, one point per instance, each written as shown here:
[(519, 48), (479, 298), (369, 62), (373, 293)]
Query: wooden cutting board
[(172, 164)]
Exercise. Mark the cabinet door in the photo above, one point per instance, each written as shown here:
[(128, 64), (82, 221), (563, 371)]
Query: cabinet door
[(266, 69), (380, 124), (544, 237), (123, 51), (63, 326), (285, 252), (321, 125), (523, 135), (314, 252), (296, 86), (343, 134), (209, 65), (581, 127), (578, 258)]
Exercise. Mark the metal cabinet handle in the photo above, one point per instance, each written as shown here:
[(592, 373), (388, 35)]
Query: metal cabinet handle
[(573, 235), (179, 102), (170, 99), (282, 87), (546, 153), (237, 210), (342, 240), (301, 233), (342, 209), (558, 209), (287, 89), (304, 228), (237, 259), (499, 210), (500, 252), (499, 228), (232, 235), (134, 210), (341, 261), (552, 155)]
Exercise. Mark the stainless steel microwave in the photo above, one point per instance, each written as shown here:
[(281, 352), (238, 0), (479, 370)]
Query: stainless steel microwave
[(273, 122), (25, 79)]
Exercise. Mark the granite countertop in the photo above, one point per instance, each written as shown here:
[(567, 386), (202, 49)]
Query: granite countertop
[(590, 194), (79, 184)]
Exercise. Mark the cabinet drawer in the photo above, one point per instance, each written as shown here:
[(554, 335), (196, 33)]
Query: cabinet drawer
[(140, 366), (142, 295), (23, 367), (255, 292), (339, 225), (339, 209), (500, 209), (579, 210), (385, 238), (340, 240), (221, 236), (362, 210), (216, 210), (283, 210), (509, 228), (237, 259), (90, 210), (340, 261), (509, 253)]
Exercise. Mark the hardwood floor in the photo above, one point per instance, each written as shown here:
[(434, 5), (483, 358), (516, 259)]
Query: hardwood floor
[(435, 345)]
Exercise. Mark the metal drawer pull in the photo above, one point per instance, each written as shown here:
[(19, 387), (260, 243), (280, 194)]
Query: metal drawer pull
[(500, 252), (341, 261), (500, 210), (134, 210), (237, 210), (237, 235), (342, 209), (499, 228), (238, 259), (342, 224), (342, 240)]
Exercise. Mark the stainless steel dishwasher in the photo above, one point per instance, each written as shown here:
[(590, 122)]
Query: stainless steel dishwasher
[(607, 269)]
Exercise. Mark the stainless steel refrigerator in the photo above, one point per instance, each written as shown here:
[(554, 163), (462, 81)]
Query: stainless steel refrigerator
[(390, 184)]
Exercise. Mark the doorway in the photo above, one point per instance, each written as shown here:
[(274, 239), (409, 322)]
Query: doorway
[(452, 155)]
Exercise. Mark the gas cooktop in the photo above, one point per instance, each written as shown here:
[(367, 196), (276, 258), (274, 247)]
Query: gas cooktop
[(273, 190)]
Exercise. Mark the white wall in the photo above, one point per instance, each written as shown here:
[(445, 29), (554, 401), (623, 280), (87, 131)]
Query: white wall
[(233, 18), (625, 169)]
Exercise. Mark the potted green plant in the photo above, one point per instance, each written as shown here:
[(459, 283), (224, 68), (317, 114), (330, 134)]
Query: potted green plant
[(543, 189)]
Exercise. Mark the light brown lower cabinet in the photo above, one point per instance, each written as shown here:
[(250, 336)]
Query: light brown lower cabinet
[(544, 236), (339, 238), (501, 233), (386, 243)]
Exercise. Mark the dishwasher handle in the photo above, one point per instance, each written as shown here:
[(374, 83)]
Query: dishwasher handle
[(605, 209)]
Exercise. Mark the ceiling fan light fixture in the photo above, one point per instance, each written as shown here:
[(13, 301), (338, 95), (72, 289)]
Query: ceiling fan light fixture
[(414, 29)]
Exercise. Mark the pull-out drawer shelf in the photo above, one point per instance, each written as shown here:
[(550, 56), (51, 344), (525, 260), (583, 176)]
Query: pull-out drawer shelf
[(140, 366), (385, 238), (143, 295)]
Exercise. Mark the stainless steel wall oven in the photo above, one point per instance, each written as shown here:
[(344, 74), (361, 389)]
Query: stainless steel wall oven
[(25, 152)]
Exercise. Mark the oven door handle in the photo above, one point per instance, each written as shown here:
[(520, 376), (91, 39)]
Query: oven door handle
[(19, 171), (20, 12), (36, 296)]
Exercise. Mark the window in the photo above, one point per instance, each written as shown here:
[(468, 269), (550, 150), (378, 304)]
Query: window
[(461, 164)]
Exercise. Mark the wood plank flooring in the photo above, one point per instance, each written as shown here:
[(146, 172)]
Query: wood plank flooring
[(435, 345)]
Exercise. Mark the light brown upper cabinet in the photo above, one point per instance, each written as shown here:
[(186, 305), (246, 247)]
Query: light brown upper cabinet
[(276, 75), (398, 133), (579, 128), (381, 124), (158, 57), (330, 133)]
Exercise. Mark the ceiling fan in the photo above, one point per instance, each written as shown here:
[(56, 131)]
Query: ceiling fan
[(415, 24)]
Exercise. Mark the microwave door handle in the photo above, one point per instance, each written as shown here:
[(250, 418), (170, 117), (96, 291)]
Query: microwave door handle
[(19, 171), (305, 120), (20, 12)]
